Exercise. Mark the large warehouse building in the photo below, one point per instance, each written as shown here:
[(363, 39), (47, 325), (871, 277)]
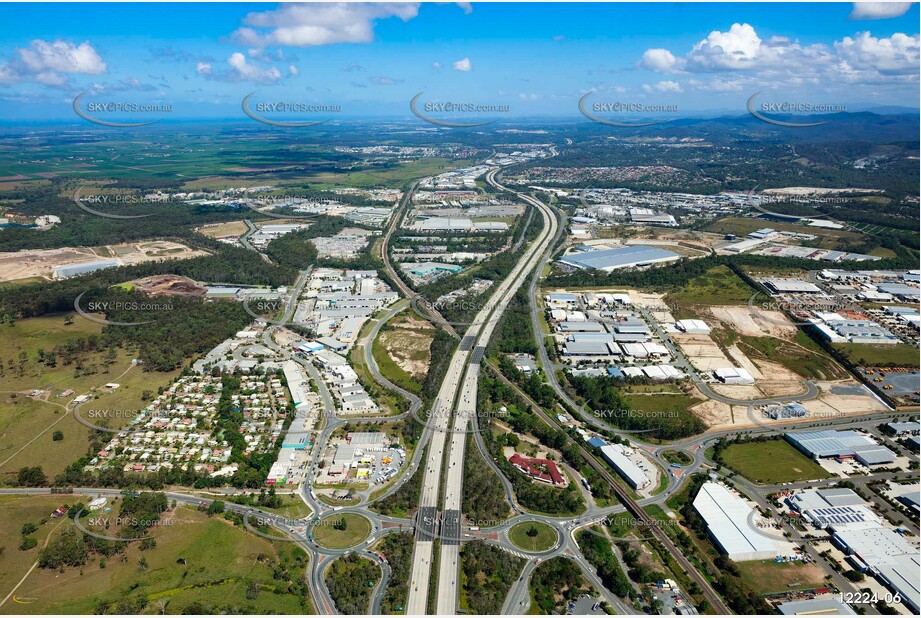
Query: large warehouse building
[(74, 270), (728, 522), (827, 443), (621, 257), (614, 454), (888, 555)]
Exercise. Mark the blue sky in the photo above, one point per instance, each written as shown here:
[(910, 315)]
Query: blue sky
[(535, 58)]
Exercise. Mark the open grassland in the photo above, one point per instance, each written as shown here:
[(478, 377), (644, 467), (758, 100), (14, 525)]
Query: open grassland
[(899, 355), (767, 576), (802, 356), (27, 424), (740, 226), (19, 510), (197, 560), (772, 462), (718, 286), (391, 177), (389, 401)]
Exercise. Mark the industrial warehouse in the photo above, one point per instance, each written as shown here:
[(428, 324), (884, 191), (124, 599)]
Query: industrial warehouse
[(607, 260), (829, 444), (729, 524)]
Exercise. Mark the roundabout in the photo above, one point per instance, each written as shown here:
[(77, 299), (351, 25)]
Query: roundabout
[(533, 536), (341, 531)]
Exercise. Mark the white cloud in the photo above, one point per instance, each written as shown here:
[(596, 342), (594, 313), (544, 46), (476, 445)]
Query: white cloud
[(659, 59), (781, 62), (51, 63), (248, 72), (62, 57), (663, 86), (436, 65), (463, 65), (878, 10), (240, 71), (311, 24), (293, 70), (738, 48), (896, 55)]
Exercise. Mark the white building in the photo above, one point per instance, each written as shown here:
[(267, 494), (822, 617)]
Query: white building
[(616, 456), (693, 327), (734, 375), (729, 522)]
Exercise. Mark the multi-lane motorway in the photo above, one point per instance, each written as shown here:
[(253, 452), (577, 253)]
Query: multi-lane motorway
[(458, 393)]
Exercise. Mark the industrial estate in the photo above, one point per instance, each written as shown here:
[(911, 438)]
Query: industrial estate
[(451, 361)]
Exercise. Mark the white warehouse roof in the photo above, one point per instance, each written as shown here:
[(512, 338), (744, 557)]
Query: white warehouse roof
[(614, 455), (692, 326), (727, 517)]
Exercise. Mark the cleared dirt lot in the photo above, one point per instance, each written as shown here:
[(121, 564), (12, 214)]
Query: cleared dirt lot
[(702, 352), (169, 285), (407, 343), (742, 321), (836, 399), (42, 262), (223, 230)]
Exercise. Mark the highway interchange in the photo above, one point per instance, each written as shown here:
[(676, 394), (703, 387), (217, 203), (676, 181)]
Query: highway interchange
[(440, 452)]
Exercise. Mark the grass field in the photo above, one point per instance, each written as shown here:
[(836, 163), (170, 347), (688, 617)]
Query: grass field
[(357, 529), (543, 540), (678, 402), (899, 355), (771, 462), (393, 178), (196, 560), (18, 510), (27, 424), (718, 286), (767, 576), (740, 226), (802, 356)]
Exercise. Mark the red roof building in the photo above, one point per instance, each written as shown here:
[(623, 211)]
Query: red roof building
[(542, 470)]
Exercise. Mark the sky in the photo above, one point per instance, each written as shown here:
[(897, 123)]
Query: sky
[(533, 58)]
